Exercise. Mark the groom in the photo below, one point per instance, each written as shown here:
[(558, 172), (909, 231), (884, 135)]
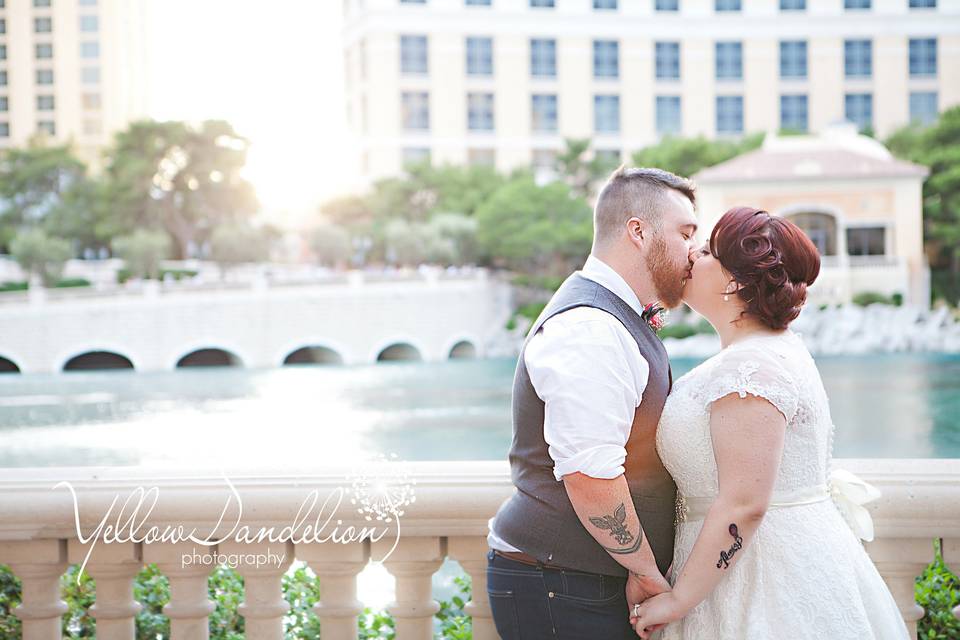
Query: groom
[(589, 530)]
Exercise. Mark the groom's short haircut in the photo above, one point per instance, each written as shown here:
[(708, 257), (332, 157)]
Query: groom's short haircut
[(635, 191)]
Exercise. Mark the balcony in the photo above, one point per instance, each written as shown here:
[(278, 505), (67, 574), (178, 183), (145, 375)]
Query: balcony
[(38, 538)]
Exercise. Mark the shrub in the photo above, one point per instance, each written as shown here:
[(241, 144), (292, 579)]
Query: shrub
[(938, 592), (866, 298), (72, 282), (679, 331)]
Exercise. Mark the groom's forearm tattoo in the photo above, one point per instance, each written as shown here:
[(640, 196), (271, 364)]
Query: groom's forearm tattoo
[(725, 556), (615, 525)]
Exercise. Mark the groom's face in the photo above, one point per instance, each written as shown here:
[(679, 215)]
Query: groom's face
[(669, 254)]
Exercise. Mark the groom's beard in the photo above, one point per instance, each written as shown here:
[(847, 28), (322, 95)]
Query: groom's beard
[(667, 276)]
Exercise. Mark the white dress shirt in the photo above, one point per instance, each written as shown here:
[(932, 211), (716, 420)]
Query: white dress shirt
[(588, 370)]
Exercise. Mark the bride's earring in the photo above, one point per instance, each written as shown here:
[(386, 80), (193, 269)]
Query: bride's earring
[(726, 298)]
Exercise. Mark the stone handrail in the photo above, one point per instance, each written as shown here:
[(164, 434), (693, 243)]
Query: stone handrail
[(38, 538)]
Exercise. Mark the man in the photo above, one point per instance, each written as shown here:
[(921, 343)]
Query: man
[(589, 530)]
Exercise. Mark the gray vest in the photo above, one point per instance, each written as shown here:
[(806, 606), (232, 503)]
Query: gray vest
[(539, 519)]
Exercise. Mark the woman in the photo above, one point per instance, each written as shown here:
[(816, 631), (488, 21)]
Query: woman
[(761, 549)]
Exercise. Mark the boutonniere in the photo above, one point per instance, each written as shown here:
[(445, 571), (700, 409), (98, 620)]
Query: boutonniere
[(654, 315)]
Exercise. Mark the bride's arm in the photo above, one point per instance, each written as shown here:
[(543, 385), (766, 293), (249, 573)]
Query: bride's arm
[(747, 436)]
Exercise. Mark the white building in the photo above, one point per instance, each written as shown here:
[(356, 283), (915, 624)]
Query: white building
[(74, 70), (504, 81), (862, 207)]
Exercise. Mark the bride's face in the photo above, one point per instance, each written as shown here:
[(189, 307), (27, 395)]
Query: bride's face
[(707, 285)]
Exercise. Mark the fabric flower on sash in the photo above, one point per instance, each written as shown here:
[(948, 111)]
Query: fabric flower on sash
[(850, 493)]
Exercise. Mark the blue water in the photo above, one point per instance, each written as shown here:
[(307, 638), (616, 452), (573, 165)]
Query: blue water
[(883, 406)]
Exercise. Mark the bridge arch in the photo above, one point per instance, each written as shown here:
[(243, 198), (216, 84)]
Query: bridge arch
[(96, 360), (462, 348), (8, 366), (209, 357), (313, 354), (398, 350)]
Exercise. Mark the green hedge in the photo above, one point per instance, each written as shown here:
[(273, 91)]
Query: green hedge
[(872, 297), (125, 274), (23, 285)]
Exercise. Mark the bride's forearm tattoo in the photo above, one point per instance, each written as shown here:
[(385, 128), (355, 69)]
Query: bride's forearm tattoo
[(725, 556), (615, 524)]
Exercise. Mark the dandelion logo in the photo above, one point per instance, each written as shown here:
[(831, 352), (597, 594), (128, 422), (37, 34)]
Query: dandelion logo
[(381, 492)]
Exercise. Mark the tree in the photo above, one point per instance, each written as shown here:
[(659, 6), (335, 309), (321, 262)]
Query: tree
[(142, 251), (580, 173), (41, 255), (330, 244), (686, 156), (405, 243), (538, 230), (185, 180), (235, 243), (938, 147), (453, 239)]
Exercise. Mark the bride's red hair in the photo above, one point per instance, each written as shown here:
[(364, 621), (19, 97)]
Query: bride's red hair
[(771, 259)]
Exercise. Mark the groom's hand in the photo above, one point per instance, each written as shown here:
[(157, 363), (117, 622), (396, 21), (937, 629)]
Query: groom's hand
[(641, 587)]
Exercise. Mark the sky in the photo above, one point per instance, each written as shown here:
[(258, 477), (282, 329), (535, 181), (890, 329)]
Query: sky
[(274, 70)]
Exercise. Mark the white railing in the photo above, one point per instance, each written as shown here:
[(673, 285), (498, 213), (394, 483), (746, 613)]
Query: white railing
[(38, 539)]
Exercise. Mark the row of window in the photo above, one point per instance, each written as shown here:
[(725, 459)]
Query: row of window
[(674, 5), (46, 126), (88, 24), (88, 75), (857, 61), (858, 108), (88, 50), (41, 4), (91, 101)]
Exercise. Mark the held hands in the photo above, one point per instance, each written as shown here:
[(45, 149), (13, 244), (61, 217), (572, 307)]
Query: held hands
[(656, 612), (641, 589)]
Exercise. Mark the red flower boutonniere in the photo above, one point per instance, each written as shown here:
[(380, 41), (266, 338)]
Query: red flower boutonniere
[(654, 315)]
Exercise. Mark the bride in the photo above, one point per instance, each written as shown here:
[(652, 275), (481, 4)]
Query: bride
[(761, 550)]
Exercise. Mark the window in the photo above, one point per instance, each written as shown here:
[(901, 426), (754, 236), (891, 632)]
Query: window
[(858, 109), (543, 58), (606, 114), (667, 60), (88, 3), (44, 76), (89, 49), (793, 59), (729, 114), (415, 107), (667, 5), (605, 5), (478, 3), (668, 115), (793, 113), (856, 4), (793, 5), (923, 4), (3, 52), (479, 56), (44, 51), (858, 58), (606, 59), (727, 5), (4, 103), (481, 157), (4, 129), (729, 61), (923, 106), (3, 25), (542, 3), (90, 75), (44, 103), (3, 78), (544, 112), (866, 241), (91, 101), (413, 54), (89, 24), (923, 57), (413, 1), (480, 111), (41, 3), (42, 25), (415, 155)]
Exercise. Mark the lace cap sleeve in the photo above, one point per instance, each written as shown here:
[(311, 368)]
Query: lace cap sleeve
[(752, 370)]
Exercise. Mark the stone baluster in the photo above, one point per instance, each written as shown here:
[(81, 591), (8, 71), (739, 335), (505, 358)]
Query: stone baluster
[(900, 561), (113, 568), (413, 564), (187, 567), (39, 565), (951, 557), (471, 553), (263, 606), (337, 567)]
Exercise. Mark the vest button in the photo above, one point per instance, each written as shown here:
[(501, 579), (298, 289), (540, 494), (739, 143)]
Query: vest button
[(550, 594)]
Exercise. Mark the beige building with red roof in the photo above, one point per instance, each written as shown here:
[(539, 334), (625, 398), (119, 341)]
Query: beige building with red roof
[(861, 206)]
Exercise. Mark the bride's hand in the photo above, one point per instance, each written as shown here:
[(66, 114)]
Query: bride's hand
[(656, 612)]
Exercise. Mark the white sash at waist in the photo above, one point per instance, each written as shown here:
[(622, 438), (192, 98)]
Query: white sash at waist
[(696, 507)]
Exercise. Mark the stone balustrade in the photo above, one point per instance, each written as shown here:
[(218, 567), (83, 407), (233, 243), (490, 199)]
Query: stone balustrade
[(39, 539)]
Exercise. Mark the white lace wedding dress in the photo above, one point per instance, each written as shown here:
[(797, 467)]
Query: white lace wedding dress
[(804, 574)]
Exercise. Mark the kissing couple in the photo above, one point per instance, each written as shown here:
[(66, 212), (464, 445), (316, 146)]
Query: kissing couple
[(699, 508)]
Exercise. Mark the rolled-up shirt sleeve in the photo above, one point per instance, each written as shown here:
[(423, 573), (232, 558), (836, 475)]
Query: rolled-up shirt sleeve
[(588, 370)]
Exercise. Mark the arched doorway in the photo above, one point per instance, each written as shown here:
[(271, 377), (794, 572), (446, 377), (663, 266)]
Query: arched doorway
[(820, 227), (97, 360), (313, 355), (210, 357)]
